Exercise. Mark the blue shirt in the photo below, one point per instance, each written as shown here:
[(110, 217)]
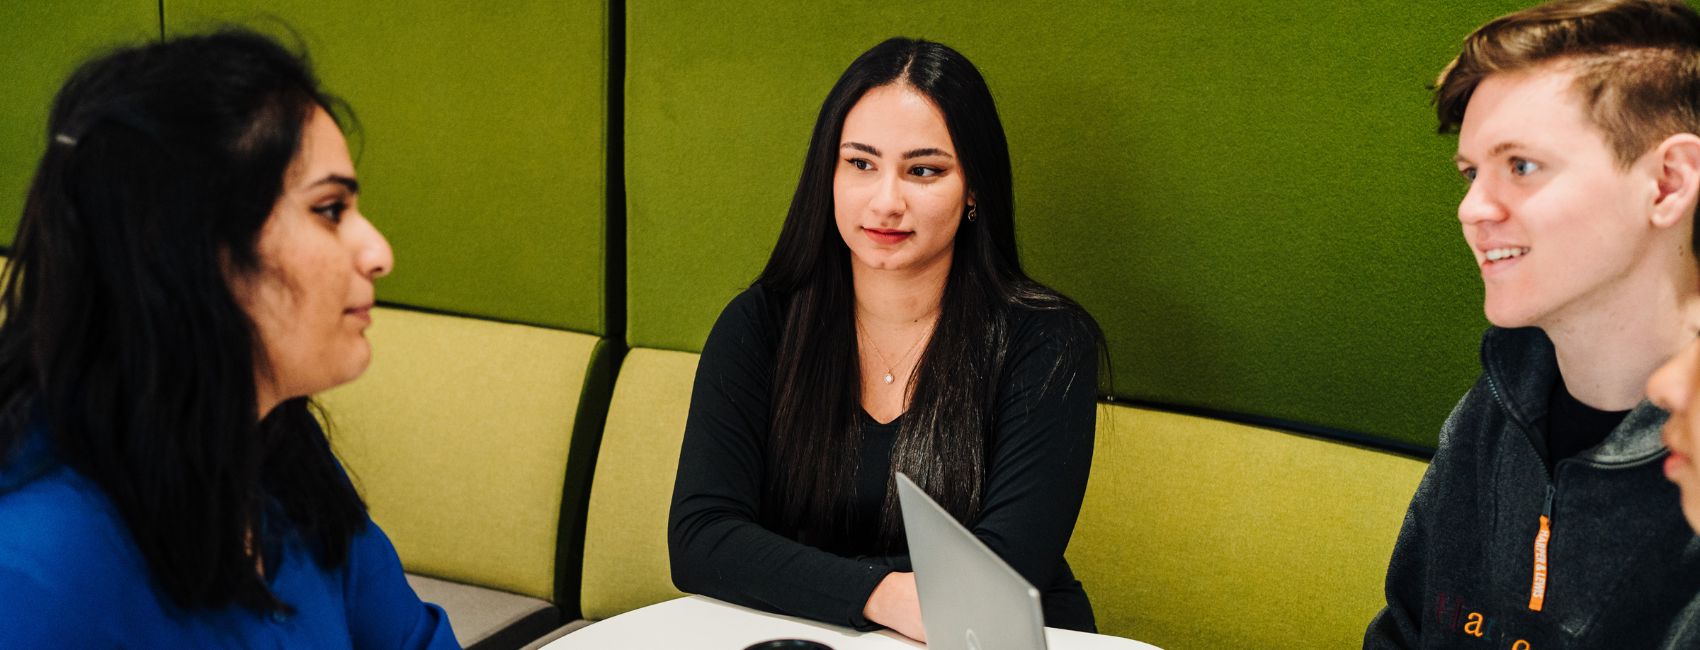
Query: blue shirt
[(71, 576)]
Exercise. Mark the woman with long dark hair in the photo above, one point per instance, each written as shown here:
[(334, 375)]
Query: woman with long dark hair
[(191, 265), (893, 330)]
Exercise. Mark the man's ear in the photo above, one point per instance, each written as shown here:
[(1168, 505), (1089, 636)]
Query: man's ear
[(1678, 178)]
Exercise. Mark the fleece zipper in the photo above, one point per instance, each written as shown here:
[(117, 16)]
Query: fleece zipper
[(1538, 585), (1543, 536)]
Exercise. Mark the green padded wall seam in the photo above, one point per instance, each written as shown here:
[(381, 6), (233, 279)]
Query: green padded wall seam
[(614, 205), (478, 316), (591, 418), (1346, 437)]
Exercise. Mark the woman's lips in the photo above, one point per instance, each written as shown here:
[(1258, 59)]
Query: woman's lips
[(886, 237), (362, 314), (1675, 463)]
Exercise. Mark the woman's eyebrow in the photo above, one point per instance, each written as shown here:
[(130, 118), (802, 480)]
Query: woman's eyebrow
[(926, 151), (338, 179), (860, 147)]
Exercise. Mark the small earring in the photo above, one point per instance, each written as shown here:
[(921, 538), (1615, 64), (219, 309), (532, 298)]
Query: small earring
[(971, 214)]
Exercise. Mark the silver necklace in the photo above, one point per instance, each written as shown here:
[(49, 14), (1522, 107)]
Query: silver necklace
[(890, 367)]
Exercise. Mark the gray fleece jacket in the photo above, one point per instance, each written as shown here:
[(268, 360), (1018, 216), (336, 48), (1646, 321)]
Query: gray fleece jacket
[(1621, 564)]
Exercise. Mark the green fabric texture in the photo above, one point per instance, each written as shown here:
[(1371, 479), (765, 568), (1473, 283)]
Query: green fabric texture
[(458, 437), (41, 42), (1249, 196), (625, 546), (483, 148), (1199, 533)]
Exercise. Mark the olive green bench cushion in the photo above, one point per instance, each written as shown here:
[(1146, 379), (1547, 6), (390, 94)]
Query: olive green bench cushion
[(458, 437), (1195, 532), (1201, 533), (625, 546)]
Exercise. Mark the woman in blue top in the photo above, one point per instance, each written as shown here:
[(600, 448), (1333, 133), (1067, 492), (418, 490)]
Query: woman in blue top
[(190, 267)]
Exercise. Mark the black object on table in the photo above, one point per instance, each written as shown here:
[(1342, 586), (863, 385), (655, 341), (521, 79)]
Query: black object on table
[(789, 644)]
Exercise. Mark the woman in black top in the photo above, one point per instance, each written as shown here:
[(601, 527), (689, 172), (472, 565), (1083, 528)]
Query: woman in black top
[(892, 330)]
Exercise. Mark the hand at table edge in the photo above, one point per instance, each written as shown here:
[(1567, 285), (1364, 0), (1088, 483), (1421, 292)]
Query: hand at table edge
[(897, 605)]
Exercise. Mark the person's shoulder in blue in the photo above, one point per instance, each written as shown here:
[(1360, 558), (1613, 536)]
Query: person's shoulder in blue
[(71, 576)]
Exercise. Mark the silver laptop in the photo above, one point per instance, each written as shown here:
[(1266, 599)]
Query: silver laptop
[(970, 599)]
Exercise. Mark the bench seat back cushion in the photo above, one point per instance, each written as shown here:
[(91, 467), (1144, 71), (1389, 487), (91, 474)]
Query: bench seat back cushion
[(625, 548), (458, 437), (1201, 533)]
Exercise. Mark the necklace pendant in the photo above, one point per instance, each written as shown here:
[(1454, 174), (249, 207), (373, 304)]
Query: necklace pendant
[(888, 378)]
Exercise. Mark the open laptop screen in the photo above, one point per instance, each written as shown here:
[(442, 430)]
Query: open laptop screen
[(970, 598)]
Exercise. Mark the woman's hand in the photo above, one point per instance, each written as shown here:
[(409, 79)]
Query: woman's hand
[(896, 604)]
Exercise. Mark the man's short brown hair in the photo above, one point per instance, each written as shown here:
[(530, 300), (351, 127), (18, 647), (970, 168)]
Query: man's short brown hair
[(1637, 65)]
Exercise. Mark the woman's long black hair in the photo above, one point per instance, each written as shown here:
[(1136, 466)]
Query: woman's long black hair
[(121, 335), (943, 441)]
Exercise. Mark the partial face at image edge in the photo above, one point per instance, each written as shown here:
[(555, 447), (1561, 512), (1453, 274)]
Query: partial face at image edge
[(1673, 388)]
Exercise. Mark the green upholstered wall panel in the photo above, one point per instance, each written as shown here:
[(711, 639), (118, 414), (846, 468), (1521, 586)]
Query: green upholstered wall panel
[(1198, 533), (41, 42), (459, 437), (484, 143), (1250, 196)]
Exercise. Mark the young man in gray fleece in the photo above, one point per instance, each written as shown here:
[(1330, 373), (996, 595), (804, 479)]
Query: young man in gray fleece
[(1545, 520)]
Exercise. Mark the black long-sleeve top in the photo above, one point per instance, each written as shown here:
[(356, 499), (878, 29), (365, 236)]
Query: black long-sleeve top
[(1041, 452)]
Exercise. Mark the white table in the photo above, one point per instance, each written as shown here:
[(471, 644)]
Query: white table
[(700, 622)]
